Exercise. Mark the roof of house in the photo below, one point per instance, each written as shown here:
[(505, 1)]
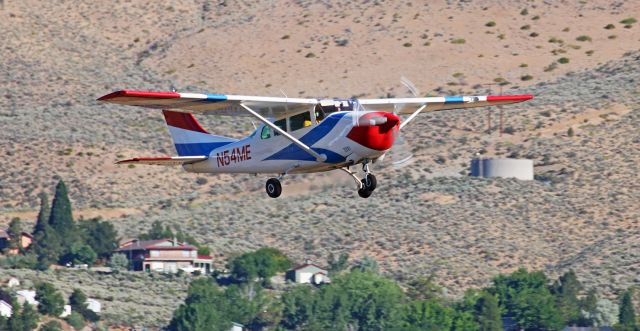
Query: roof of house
[(158, 244), (5, 235), (307, 265)]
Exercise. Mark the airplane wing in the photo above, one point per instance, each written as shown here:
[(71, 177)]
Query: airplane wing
[(164, 160), (440, 103), (214, 104)]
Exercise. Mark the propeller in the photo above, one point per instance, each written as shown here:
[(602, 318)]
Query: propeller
[(400, 154)]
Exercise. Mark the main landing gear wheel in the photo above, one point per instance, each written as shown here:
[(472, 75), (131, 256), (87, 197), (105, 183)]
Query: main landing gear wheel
[(370, 182), (363, 192), (273, 187)]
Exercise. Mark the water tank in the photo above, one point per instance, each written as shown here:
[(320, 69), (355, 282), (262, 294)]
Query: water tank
[(505, 168)]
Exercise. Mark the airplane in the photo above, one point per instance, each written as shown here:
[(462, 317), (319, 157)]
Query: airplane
[(297, 135)]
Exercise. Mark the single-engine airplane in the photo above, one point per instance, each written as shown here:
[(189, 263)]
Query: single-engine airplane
[(296, 135)]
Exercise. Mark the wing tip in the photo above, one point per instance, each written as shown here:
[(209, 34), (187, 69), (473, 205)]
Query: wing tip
[(139, 94), (139, 159), (514, 98)]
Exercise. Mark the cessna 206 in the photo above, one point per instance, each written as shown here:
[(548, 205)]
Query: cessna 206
[(296, 136)]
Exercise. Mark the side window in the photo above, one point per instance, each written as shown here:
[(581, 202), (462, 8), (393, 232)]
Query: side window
[(320, 115), (266, 132), (282, 124), (300, 121)]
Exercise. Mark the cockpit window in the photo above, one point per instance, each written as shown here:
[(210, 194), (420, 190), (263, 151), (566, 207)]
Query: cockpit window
[(282, 124), (300, 121), (266, 132)]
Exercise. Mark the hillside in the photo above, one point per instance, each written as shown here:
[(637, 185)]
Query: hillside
[(425, 218)]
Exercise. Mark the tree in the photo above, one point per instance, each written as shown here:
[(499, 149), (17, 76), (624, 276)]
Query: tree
[(51, 301), (358, 300), (29, 317), (61, 218), (367, 264), (424, 288), (340, 264), (427, 315), (15, 234), (80, 253), (118, 262), (297, 309), (526, 297), (488, 313), (43, 214), (78, 300), (627, 315), (76, 320), (263, 263), (100, 235), (566, 289), (48, 247), (15, 321), (157, 231), (204, 309)]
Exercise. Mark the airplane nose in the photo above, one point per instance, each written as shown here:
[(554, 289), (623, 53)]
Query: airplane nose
[(385, 121)]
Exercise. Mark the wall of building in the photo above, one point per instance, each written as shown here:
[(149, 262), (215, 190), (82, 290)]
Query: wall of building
[(506, 168)]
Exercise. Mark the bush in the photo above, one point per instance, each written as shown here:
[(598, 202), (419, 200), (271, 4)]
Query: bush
[(583, 38), (76, 320), (490, 24), (524, 12), (118, 262), (563, 60), (610, 26), (628, 21), (526, 77), (52, 326), (458, 41), (407, 45)]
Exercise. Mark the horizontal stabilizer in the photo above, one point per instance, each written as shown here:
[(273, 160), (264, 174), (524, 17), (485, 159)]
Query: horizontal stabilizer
[(164, 160)]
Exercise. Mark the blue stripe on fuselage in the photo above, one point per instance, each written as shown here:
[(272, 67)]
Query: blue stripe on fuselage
[(293, 152), (196, 149), (453, 99)]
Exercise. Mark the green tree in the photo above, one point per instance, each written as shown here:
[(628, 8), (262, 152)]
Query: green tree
[(15, 234), (263, 263), (43, 214), (61, 218), (424, 288), (4, 323), (76, 320), (78, 300), (51, 301), (100, 235), (204, 309), (526, 297), (358, 300), (427, 315), (627, 315), (80, 253), (465, 321), (488, 313), (48, 247), (118, 262), (15, 321), (566, 289), (297, 309), (29, 317), (367, 264), (338, 265)]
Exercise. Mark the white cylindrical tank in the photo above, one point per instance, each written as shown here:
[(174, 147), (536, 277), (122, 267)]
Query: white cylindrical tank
[(506, 168)]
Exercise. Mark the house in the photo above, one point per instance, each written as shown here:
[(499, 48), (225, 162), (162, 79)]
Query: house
[(309, 273), (94, 305), (66, 311), (25, 241), (27, 296), (5, 309), (13, 282), (237, 327), (164, 255)]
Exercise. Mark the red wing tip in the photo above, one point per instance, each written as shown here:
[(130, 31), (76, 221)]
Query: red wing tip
[(522, 97), (138, 159), (139, 94)]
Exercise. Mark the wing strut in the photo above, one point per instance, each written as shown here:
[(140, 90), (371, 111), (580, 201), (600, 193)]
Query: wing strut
[(319, 157), (410, 118)]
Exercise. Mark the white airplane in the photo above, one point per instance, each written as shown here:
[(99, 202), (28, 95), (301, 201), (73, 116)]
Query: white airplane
[(296, 136)]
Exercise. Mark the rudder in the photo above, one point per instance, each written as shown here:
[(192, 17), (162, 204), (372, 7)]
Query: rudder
[(189, 137)]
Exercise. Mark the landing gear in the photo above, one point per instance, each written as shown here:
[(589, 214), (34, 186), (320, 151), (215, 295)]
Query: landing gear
[(274, 189), (366, 185)]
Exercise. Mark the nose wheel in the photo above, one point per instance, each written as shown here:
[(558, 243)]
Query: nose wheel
[(273, 187)]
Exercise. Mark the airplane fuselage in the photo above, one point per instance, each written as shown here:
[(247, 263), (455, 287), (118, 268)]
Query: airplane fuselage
[(344, 138)]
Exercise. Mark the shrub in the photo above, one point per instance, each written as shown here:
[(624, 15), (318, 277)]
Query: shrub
[(523, 65), (524, 12), (407, 45), (525, 27), (526, 77), (310, 55), (583, 38), (490, 24), (52, 326), (610, 26), (533, 34), (458, 41), (286, 36), (76, 320), (628, 21), (563, 60)]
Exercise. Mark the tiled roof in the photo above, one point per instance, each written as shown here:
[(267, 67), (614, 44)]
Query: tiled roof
[(154, 244)]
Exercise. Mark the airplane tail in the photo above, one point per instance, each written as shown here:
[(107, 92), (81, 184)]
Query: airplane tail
[(189, 137)]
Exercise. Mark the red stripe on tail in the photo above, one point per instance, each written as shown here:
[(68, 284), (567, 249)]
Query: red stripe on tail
[(183, 121)]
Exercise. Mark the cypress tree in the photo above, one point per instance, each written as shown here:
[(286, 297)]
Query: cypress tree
[(29, 317), (61, 219), (43, 214), (627, 315), (48, 247)]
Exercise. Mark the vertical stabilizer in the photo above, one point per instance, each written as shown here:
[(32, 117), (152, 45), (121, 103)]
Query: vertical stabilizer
[(189, 137)]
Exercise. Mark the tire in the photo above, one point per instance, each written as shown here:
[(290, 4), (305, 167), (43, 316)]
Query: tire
[(273, 187), (364, 193), (370, 182)]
